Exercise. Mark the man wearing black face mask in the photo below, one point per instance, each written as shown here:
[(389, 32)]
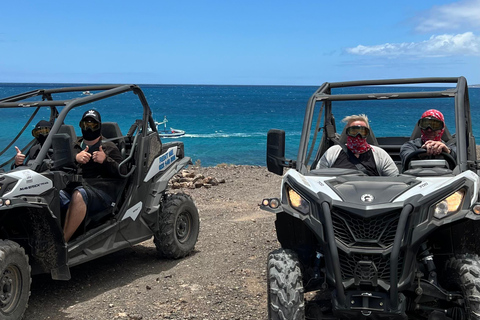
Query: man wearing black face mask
[(40, 132), (99, 163)]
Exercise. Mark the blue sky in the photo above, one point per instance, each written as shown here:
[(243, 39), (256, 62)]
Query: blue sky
[(237, 42)]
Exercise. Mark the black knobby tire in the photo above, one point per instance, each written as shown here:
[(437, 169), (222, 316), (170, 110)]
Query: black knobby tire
[(285, 286), (15, 280), (179, 227), (466, 269)]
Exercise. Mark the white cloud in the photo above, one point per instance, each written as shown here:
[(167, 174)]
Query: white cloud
[(466, 44), (454, 16)]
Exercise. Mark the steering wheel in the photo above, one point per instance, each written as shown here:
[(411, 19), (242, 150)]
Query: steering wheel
[(452, 163)]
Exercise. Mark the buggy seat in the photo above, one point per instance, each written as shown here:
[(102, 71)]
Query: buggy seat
[(111, 131)]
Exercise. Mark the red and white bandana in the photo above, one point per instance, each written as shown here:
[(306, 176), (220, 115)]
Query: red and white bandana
[(437, 115), (357, 144)]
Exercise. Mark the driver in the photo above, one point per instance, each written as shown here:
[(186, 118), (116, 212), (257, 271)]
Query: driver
[(358, 154), (432, 126), (99, 162)]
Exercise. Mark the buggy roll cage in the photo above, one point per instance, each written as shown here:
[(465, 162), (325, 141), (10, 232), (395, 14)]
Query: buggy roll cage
[(106, 91), (463, 123)]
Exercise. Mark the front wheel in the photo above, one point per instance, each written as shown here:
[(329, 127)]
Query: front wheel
[(285, 286), (466, 269), (179, 227), (15, 280)]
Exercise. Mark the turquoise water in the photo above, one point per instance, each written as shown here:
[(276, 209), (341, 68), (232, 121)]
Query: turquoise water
[(229, 124)]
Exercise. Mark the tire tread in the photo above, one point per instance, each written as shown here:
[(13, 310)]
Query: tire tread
[(285, 292), (164, 239)]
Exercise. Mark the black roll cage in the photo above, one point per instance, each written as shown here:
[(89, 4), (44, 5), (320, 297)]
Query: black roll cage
[(459, 93), (105, 91)]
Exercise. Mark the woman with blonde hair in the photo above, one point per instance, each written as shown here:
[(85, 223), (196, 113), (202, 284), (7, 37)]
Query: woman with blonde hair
[(357, 153)]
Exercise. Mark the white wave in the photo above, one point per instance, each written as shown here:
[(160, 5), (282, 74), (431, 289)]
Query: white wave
[(227, 135)]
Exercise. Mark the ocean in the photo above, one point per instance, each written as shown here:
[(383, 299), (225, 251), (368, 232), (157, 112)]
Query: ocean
[(229, 124)]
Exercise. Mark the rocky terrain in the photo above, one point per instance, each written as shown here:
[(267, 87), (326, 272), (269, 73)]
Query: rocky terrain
[(224, 278)]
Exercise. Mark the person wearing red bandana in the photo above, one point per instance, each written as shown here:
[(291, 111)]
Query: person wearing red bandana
[(432, 126), (358, 154)]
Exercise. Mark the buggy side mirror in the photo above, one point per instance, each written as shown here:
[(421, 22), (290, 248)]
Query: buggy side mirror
[(276, 152), (62, 151)]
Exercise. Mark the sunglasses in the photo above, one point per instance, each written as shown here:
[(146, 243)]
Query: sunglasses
[(89, 124), (432, 123), (358, 130), (41, 131)]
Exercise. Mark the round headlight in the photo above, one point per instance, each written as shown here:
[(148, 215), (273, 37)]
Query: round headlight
[(441, 209), (274, 203)]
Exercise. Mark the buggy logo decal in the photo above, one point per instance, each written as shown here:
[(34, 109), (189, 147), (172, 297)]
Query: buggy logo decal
[(33, 186), (167, 158), (29, 183), (367, 197), (133, 212), (162, 162)]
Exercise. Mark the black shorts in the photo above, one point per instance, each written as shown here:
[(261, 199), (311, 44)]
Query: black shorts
[(95, 199)]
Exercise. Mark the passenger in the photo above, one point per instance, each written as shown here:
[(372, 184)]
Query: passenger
[(99, 162), (40, 133), (432, 126), (359, 155)]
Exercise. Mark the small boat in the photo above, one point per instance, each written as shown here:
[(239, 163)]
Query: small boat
[(168, 133)]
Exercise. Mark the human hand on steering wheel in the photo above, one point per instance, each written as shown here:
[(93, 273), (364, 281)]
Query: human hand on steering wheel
[(435, 147)]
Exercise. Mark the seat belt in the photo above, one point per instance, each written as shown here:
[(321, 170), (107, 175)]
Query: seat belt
[(351, 156), (355, 161)]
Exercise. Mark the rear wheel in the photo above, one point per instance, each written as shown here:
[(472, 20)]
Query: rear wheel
[(179, 227), (466, 272), (14, 280), (285, 286)]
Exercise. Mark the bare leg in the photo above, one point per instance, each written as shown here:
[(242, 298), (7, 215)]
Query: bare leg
[(75, 214)]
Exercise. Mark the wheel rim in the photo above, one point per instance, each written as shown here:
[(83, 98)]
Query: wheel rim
[(183, 227), (10, 289)]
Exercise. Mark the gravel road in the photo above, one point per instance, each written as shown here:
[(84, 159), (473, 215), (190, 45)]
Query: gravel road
[(224, 278)]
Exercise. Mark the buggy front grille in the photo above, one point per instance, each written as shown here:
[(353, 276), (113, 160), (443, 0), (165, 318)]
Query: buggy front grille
[(374, 232), (367, 268)]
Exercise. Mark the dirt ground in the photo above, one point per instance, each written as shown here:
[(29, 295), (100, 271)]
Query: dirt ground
[(224, 278)]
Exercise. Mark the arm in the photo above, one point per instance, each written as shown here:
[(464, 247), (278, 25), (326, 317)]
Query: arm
[(329, 157), (113, 158), (385, 165), (406, 149)]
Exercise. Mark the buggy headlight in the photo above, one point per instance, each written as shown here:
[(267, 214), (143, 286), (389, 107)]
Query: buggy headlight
[(449, 205), (297, 202)]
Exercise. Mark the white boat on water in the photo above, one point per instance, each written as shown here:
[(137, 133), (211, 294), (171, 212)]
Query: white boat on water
[(168, 133)]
